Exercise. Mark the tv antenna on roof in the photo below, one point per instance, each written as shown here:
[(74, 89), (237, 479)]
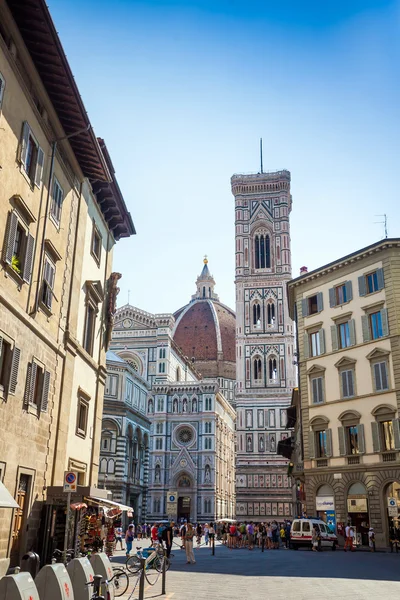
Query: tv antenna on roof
[(261, 155), (384, 223)]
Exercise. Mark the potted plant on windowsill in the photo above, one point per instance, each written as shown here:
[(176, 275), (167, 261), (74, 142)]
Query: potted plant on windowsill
[(16, 264)]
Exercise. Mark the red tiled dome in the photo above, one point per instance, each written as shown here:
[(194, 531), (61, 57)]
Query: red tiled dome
[(205, 331)]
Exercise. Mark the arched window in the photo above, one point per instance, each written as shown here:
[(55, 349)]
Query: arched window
[(256, 313), (204, 292), (272, 369), (262, 251), (103, 465), (111, 466), (257, 369), (271, 313), (178, 374)]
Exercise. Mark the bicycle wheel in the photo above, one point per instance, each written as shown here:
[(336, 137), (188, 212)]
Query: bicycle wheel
[(151, 574), (133, 564), (120, 581), (158, 563)]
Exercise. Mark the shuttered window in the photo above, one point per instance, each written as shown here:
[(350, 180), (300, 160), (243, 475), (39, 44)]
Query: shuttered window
[(37, 387), (371, 282), (56, 202), (381, 376), (49, 272), (2, 88), (18, 249), (347, 383), (31, 155), (9, 367), (317, 385)]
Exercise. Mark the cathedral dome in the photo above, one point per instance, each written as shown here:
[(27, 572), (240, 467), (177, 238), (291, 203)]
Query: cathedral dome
[(205, 330)]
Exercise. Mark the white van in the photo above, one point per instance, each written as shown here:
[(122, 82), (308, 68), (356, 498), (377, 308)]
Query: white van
[(301, 534)]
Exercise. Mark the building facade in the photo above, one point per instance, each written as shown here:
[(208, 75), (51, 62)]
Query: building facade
[(57, 239), (125, 437), (349, 367), (265, 371)]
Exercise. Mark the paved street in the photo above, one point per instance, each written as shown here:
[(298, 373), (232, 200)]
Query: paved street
[(282, 574)]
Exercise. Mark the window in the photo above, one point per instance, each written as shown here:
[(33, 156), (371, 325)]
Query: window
[(129, 391), (56, 202), (340, 294), (19, 247), (96, 243), (159, 427), (49, 272), (37, 387), (371, 282), (312, 305), (90, 321), (94, 296), (160, 404), (385, 429), (262, 254), (347, 380), (296, 525), (387, 436), (381, 376), (82, 417), (344, 335), (306, 526), (162, 352), (317, 386), (2, 88), (208, 404), (375, 323), (256, 314), (270, 314), (257, 366), (32, 156), (322, 449), (207, 427), (111, 388), (159, 443), (352, 439), (272, 369), (315, 343), (9, 366), (207, 443)]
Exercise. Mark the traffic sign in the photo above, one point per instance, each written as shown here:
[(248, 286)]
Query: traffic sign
[(393, 511), (392, 502), (70, 481)]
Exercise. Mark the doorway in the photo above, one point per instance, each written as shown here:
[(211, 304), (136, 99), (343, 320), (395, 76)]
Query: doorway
[(184, 508), (20, 515), (392, 510)]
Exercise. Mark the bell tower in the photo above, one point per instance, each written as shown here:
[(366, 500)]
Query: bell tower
[(265, 370)]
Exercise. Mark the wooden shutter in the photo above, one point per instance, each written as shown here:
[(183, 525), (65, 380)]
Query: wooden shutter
[(45, 392), (314, 392), (24, 142), (39, 167), (352, 332), (320, 301), (349, 290), (306, 346), (396, 433), (321, 334), (361, 439), (320, 387), (362, 288), (311, 444), (30, 383), (376, 439), (380, 278), (334, 336), (1, 344), (365, 328), (342, 441), (9, 241), (345, 387), (332, 297), (329, 443), (385, 322), (28, 263), (350, 382), (14, 370), (304, 307)]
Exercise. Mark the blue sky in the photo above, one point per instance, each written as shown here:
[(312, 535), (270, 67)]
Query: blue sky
[(182, 91)]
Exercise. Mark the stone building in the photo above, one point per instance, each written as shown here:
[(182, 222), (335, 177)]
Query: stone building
[(57, 231), (349, 366), (125, 438), (265, 372), (192, 422)]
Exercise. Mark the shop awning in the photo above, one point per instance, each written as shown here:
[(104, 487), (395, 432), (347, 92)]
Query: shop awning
[(111, 503), (6, 500)]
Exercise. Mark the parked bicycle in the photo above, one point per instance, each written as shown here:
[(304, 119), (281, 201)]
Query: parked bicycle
[(155, 558), (120, 581)]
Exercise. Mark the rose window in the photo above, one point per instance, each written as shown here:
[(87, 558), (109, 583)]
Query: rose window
[(185, 436)]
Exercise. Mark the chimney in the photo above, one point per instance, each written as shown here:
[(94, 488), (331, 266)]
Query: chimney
[(303, 270)]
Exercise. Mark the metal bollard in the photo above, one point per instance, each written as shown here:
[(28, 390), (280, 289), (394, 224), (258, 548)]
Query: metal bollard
[(164, 574), (141, 581), (262, 543), (213, 545)]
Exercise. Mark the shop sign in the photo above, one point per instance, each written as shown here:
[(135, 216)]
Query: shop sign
[(393, 511), (70, 481), (324, 503), (357, 505)]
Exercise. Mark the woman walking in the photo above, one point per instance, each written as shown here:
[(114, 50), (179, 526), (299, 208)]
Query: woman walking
[(189, 544), (315, 539)]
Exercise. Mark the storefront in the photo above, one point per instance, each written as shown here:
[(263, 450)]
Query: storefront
[(325, 506), (392, 508), (357, 512)]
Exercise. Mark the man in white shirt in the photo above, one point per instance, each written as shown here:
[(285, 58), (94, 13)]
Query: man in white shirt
[(348, 542)]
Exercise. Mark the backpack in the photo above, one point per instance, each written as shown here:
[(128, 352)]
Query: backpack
[(164, 535)]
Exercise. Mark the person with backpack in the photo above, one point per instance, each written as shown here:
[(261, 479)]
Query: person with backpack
[(167, 537), (161, 528)]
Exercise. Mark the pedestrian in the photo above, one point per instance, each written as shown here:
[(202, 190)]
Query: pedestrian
[(348, 541), (352, 539), (315, 539), (275, 535), (182, 534), (189, 544), (224, 534), (287, 534), (129, 537), (371, 539), (211, 533), (160, 532), (206, 534), (250, 535), (199, 533), (269, 537), (283, 534), (118, 536), (232, 536), (154, 534), (168, 535), (139, 531)]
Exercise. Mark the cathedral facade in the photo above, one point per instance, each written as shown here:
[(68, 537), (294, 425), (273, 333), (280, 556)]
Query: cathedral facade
[(265, 363)]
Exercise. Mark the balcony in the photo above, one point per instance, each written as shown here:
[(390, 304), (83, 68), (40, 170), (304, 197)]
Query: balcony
[(322, 462), (389, 457), (353, 460)]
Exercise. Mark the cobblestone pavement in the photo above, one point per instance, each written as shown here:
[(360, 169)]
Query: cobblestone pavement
[(279, 574)]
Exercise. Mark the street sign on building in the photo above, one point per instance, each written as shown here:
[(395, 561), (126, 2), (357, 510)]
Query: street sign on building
[(393, 511), (70, 481), (392, 502), (172, 504)]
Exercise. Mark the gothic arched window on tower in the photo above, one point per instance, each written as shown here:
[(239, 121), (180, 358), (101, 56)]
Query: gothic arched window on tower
[(271, 313), (262, 251), (257, 369), (256, 314), (272, 369)]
